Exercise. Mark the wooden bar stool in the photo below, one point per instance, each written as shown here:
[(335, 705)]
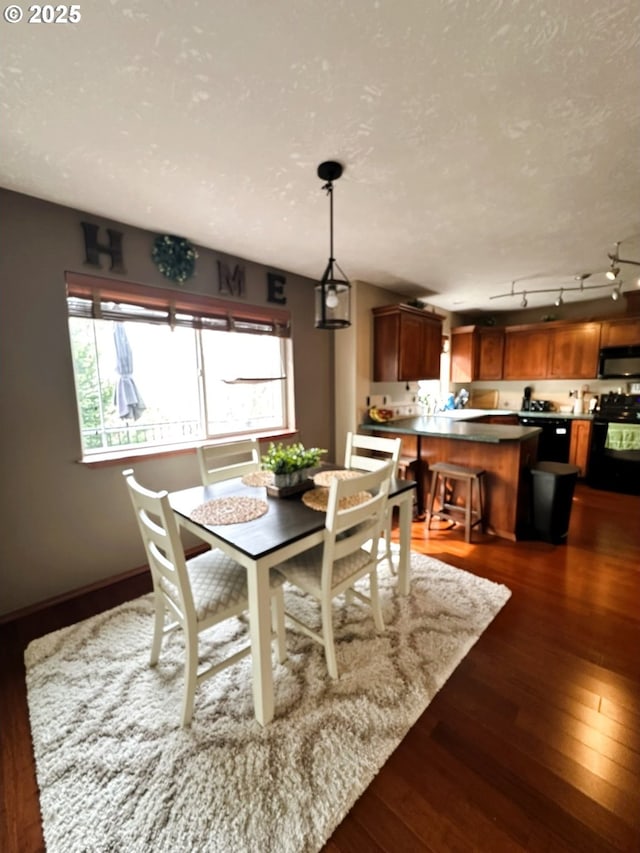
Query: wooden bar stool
[(444, 476)]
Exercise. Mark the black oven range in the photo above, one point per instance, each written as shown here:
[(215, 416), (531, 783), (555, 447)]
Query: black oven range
[(614, 458)]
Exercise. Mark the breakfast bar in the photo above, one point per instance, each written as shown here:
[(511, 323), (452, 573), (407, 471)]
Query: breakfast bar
[(506, 452)]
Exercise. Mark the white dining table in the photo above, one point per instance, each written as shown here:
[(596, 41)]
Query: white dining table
[(286, 529)]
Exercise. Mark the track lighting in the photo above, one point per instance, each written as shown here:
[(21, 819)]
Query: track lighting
[(333, 295), (611, 276), (613, 272)]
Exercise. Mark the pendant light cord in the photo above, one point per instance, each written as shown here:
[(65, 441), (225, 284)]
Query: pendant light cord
[(329, 188)]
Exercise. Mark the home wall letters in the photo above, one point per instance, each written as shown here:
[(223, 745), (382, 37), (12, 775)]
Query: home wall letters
[(93, 249), (275, 288), (231, 283)]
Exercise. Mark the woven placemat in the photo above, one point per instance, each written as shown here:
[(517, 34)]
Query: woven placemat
[(318, 499), (258, 478), (229, 510), (325, 478)]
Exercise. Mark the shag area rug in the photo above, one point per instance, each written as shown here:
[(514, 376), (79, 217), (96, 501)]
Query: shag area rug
[(117, 773)]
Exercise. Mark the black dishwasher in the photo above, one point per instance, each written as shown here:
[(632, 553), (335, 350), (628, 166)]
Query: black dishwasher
[(554, 440)]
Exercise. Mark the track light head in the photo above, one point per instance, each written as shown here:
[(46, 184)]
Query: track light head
[(559, 301), (615, 294), (613, 272), (524, 302)]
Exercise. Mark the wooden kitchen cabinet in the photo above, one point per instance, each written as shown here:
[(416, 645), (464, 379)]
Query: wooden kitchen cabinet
[(573, 351), (552, 351), (580, 443), (620, 333), (407, 343), (476, 353), (491, 354), (526, 352)]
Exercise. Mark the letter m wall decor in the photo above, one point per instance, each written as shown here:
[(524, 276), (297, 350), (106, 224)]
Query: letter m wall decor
[(231, 283)]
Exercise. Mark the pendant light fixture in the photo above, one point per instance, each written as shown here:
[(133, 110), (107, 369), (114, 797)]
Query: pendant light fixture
[(332, 295)]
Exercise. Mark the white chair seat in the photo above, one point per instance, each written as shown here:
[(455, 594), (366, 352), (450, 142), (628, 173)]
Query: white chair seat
[(305, 570), (218, 583)]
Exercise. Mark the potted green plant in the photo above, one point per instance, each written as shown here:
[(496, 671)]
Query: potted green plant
[(290, 463)]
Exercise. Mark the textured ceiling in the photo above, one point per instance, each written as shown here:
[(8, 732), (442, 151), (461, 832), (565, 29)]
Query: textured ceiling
[(483, 141)]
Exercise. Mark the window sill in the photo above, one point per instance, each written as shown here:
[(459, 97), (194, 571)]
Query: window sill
[(119, 457)]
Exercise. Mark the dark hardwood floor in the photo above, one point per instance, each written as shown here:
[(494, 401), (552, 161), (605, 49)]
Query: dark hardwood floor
[(533, 743)]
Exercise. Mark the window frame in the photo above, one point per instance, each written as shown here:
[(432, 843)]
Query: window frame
[(173, 306)]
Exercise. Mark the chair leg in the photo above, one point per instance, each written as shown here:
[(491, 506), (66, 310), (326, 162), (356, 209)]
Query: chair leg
[(468, 511), (190, 677), (375, 601), (327, 635), (158, 629), (277, 623), (387, 539)]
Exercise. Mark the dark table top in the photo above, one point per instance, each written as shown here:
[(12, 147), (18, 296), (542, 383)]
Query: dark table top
[(287, 519)]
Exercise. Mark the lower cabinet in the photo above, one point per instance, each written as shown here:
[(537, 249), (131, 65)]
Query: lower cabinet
[(579, 445)]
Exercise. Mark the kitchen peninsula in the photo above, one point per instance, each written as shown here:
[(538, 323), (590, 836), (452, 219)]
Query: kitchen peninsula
[(506, 452)]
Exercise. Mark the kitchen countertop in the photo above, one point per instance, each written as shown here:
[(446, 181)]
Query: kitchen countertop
[(471, 414), (474, 414), (564, 415), (455, 425)]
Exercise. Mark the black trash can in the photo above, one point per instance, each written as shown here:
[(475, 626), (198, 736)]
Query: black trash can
[(553, 487)]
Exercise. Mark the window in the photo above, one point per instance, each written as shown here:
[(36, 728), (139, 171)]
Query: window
[(158, 367)]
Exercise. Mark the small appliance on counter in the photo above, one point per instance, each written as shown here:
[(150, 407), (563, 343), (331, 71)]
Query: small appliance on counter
[(530, 405), (540, 406), (526, 400)]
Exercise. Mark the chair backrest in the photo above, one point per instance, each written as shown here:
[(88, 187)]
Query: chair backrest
[(165, 553), (223, 461), (368, 452), (350, 522)]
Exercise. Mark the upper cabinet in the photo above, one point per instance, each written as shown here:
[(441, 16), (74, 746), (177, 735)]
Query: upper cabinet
[(573, 353), (407, 343), (556, 350), (476, 353), (620, 333), (526, 352), (546, 351)]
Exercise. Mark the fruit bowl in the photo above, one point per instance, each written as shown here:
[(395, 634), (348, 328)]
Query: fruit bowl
[(380, 416)]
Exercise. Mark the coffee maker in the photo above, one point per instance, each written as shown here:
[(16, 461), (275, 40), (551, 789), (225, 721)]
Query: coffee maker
[(526, 400)]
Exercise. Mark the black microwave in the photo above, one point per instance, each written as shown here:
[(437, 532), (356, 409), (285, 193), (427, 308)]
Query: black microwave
[(619, 363)]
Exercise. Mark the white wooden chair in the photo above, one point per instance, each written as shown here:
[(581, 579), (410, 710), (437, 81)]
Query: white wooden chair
[(223, 461), (366, 453), (349, 552), (194, 594)]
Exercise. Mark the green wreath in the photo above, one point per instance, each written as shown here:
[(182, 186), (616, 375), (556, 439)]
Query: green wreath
[(175, 257)]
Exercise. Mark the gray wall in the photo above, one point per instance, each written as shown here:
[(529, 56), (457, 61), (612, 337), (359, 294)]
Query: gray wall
[(67, 525)]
